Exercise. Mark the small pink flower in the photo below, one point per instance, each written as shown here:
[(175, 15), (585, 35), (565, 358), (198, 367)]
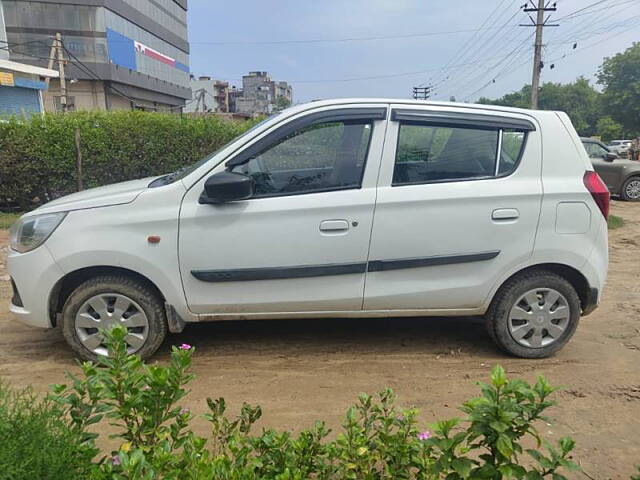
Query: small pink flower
[(184, 411), (115, 460), (426, 435), (185, 346)]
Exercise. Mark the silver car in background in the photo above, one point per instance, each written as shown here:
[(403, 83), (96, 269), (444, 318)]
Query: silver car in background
[(621, 147)]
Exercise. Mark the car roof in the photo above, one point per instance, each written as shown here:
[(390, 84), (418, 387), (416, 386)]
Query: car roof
[(404, 101)]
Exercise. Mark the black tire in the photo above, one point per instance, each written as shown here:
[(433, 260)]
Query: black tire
[(497, 320), (623, 190), (145, 296)]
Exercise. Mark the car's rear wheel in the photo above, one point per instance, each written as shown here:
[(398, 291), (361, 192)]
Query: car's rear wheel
[(110, 300), (631, 189), (534, 314)]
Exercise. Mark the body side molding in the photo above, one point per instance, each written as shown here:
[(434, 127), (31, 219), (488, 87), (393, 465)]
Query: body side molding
[(384, 265), (306, 271), (278, 273)]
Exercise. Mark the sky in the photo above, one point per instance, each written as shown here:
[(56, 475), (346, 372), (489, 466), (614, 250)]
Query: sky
[(383, 48)]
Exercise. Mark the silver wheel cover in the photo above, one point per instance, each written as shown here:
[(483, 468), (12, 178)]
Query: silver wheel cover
[(539, 318), (107, 310), (632, 189)]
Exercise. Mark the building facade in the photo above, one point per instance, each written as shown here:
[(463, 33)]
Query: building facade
[(261, 95), (122, 54), (21, 85)]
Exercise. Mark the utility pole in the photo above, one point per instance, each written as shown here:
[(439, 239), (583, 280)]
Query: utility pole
[(52, 57), (540, 22), (63, 82), (421, 93)]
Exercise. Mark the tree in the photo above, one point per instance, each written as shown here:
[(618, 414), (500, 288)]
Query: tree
[(620, 77), (578, 99), (282, 103), (608, 129)]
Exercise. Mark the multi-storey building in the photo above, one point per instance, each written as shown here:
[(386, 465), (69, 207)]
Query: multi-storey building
[(122, 54), (261, 94)]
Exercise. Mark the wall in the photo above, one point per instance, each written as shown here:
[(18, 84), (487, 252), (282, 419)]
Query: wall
[(4, 54), (88, 95), (117, 102), (165, 62), (164, 12), (209, 86)]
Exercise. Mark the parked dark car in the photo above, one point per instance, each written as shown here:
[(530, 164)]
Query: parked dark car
[(622, 176)]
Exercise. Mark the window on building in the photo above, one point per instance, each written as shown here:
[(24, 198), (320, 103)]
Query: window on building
[(320, 157), (430, 153)]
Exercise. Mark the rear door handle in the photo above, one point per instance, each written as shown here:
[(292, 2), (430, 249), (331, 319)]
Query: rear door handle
[(505, 214), (334, 226)]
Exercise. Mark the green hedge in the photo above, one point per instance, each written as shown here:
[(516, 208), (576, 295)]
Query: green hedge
[(37, 155)]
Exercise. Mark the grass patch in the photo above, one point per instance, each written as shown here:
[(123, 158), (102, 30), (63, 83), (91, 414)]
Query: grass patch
[(615, 222), (37, 441), (7, 219)]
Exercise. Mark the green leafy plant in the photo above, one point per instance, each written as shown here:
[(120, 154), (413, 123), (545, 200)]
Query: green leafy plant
[(378, 439), (37, 441), (614, 222)]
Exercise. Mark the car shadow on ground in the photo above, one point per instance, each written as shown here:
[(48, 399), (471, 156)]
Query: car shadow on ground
[(430, 335)]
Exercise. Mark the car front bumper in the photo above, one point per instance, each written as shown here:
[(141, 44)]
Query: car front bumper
[(34, 275)]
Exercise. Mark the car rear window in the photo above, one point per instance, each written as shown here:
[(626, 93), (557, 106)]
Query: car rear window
[(434, 153)]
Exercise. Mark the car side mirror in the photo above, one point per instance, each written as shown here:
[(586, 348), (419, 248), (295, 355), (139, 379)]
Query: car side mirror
[(610, 157), (226, 187)]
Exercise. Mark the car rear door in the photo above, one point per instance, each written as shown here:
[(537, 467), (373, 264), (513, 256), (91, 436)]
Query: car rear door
[(450, 219), (301, 243)]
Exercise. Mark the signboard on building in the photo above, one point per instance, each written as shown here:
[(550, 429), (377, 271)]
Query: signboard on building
[(6, 79)]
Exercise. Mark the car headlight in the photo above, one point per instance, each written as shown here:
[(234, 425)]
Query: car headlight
[(32, 231)]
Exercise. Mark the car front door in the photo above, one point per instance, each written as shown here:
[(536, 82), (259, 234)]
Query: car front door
[(458, 205), (300, 243)]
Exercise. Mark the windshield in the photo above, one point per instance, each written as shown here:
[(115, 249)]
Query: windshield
[(183, 172)]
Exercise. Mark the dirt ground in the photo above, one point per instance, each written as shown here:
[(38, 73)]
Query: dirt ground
[(307, 370)]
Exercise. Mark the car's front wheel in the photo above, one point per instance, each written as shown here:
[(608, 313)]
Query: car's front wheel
[(534, 314), (631, 189), (105, 301)]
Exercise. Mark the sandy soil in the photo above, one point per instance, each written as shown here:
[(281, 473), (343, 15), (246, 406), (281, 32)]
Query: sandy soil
[(302, 371)]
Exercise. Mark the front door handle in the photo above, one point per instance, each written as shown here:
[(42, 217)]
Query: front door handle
[(334, 226), (505, 214)]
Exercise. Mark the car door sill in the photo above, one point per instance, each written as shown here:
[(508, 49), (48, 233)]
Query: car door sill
[(432, 312)]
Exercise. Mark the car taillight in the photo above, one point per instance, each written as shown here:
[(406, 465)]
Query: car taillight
[(598, 191)]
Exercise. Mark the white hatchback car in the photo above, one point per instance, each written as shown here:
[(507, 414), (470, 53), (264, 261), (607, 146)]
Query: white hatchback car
[(343, 208)]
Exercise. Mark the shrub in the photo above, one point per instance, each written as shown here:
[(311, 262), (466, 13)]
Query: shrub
[(38, 153), (378, 440), (36, 440)]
